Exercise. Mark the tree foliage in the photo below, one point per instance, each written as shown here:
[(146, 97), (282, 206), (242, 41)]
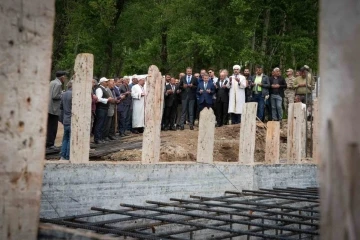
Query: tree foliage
[(127, 36)]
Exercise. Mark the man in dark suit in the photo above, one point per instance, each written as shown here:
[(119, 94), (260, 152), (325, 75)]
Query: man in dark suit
[(188, 85), (124, 107), (171, 102), (205, 92), (222, 99)]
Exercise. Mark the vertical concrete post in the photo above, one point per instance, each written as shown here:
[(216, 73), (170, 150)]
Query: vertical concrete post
[(339, 121), (316, 126), (25, 63), (296, 133), (205, 147), (81, 108), (247, 134), (272, 151), (153, 113)]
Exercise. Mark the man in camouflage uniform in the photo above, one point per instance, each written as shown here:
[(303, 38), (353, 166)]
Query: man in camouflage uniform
[(289, 91)]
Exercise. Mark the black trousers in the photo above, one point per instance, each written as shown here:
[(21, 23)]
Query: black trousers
[(170, 115), (123, 118), (221, 112), (109, 127), (101, 115), (52, 127)]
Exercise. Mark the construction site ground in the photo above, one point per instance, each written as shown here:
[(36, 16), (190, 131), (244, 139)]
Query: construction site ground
[(182, 145)]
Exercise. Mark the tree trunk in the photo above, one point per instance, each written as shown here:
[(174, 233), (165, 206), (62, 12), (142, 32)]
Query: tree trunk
[(109, 44), (265, 32), (164, 53), (283, 55)]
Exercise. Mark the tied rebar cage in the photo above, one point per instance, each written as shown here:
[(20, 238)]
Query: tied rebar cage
[(278, 213)]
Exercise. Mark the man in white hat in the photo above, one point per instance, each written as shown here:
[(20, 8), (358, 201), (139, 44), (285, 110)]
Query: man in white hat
[(237, 85), (138, 114), (102, 107)]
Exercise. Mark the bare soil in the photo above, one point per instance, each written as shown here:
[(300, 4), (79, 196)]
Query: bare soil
[(182, 145)]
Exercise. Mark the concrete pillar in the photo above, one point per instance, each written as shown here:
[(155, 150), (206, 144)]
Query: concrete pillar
[(272, 151), (339, 121), (296, 133), (153, 113), (316, 129), (81, 103), (205, 147), (247, 134), (25, 63)]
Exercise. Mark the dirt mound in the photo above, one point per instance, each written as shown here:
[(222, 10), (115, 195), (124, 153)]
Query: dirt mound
[(182, 146)]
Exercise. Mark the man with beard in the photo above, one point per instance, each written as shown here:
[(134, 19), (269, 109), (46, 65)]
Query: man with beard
[(289, 91), (138, 114), (248, 91), (236, 95)]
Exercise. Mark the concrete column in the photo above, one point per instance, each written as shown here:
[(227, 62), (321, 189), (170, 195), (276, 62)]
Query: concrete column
[(81, 115), (25, 62), (247, 134), (316, 131), (339, 122), (272, 151), (205, 147), (153, 113), (296, 133)]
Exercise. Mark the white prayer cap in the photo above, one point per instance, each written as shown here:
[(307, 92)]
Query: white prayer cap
[(125, 77), (103, 79), (236, 67), (135, 76)]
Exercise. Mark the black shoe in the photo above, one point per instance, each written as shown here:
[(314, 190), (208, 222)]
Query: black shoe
[(122, 135), (178, 127), (173, 129), (182, 128), (106, 139), (112, 138), (166, 129), (97, 142), (191, 127), (135, 132)]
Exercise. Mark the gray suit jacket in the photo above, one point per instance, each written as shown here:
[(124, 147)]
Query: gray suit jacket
[(55, 97), (65, 107)]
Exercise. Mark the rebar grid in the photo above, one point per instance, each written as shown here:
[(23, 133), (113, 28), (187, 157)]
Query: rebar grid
[(279, 213)]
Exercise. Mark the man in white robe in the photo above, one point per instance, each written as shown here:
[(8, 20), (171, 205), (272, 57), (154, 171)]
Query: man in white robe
[(236, 95), (138, 114)]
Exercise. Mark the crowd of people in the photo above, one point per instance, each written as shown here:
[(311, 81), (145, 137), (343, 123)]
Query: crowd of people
[(118, 105)]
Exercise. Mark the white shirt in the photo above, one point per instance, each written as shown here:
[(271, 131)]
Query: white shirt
[(99, 94)]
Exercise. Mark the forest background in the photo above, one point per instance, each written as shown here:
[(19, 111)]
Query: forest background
[(126, 36)]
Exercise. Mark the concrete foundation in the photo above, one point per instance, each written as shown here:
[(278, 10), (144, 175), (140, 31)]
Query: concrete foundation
[(70, 189)]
